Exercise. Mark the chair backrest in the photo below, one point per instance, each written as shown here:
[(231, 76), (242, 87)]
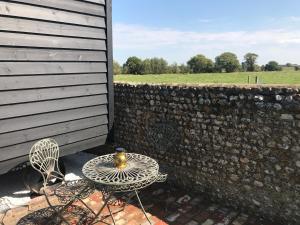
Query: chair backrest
[(43, 157)]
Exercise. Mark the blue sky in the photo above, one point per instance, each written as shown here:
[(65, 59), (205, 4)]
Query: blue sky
[(179, 29)]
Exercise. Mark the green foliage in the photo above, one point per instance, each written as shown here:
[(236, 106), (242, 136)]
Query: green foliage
[(133, 65), (257, 68), (243, 67), (200, 64), (273, 66), (250, 62), (184, 69), (297, 68), (178, 69), (147, 66), (155, 66), (174, 68), (117, 69), (228, 62)]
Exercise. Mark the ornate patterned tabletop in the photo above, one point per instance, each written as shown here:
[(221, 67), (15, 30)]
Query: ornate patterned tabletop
[(140, 172)]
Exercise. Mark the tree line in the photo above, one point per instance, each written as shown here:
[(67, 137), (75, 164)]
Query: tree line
[(226, 62)]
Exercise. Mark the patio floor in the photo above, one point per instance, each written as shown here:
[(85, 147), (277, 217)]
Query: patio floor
[(167, 205)]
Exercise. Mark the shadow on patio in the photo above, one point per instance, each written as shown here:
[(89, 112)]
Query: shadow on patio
[(167, 205)]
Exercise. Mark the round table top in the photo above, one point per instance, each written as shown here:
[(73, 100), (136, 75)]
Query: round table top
[(140, 172)]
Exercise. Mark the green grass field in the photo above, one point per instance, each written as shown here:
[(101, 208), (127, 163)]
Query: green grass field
[(283, 77)]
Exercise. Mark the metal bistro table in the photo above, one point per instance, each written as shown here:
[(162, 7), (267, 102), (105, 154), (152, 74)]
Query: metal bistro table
[(141, 171)]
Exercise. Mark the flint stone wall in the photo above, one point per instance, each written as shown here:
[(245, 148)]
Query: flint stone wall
[(237, 144)]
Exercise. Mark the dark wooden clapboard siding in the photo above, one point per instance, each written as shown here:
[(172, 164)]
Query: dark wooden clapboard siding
[(47, 28), (60, 80), (18, 137), (70, 5), (24, 109), (22, 68), (64, 150), (84, 145), (64, 139), (26, 122), (42, 41), (51, 55), (41, 13), (34, 95), (55, 75), (94, 1)]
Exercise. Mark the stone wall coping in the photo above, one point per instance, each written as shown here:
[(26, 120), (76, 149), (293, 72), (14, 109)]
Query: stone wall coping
[(290, 88), (250, 86)]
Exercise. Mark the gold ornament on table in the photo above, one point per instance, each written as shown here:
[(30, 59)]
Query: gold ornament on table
[(120, 158)]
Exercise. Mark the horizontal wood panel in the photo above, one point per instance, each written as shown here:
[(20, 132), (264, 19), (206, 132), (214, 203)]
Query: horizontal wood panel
[(25, 54), (94, 1), (5, 166), (83, 145), (34, 12), (43, 81), (22, 136), (33, 95), (28, 68), (64, 139), (71, 5), (26, 122), (9, 111), (41, 41), (42, 27)]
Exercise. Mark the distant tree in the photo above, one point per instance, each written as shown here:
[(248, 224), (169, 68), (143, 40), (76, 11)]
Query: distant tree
[(273, 66), (184, 69), (155, 66), (133, 65), (174, 68), (227, 61), (243, 67), (200, 64), (289, 64), (257, 68), (250, 61), (117, 69), (297, 68), (263, 68), (147, 66), (159, 65)]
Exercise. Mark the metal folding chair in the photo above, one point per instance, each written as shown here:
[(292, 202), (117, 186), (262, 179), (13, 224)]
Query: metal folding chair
[(44, 157)]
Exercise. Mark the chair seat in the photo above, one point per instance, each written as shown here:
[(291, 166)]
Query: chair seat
[(72, 190)]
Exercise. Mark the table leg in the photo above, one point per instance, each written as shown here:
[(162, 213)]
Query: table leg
[(142, 207), (113, 219), (102, 208)]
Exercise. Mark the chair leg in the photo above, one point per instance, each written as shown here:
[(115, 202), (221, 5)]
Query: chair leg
[(142, 207), (55, 211)]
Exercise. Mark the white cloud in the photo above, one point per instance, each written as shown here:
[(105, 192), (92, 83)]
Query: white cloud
[(294, 18), (176, 43), (205, 20)]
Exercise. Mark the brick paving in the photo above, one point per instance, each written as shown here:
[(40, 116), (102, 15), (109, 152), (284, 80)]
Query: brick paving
[(164, 204), (177, 207)]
